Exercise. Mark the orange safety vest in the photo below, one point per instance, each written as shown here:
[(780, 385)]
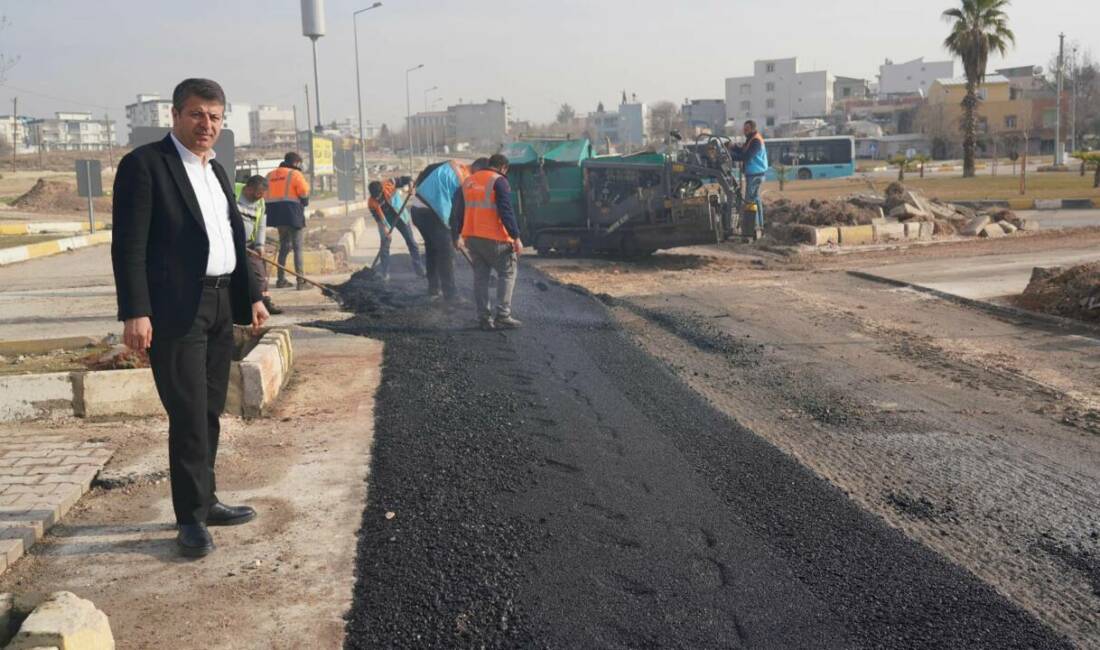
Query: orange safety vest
[(388, 188), (286, 184), (482, 219)]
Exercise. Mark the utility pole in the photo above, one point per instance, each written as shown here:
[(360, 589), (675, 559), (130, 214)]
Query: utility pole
[(309, 144), (110, 144), (1058, 144), (359, 94), (14, 130), (1073, 106)]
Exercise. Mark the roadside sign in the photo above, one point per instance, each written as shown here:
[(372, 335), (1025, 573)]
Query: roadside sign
[(89, 184), (345, 174), (322, 156), (910, 153), (89, 178)]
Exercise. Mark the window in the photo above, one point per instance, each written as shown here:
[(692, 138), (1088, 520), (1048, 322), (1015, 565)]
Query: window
[(1049, 117), (770, 86), (771, 103), (1014, 94), (1010, 121), (983, 125), (847, 92), (746, 89), (746, 106), (770, 121), (770, 68)]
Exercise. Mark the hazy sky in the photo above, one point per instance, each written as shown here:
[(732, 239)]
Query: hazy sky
[(534, 53)]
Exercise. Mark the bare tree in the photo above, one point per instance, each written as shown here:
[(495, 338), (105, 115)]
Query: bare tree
[(566, 114), (7, 61), (663, 117)]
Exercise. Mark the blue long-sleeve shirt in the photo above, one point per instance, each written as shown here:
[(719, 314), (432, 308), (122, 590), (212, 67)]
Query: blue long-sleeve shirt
[(504, 207)]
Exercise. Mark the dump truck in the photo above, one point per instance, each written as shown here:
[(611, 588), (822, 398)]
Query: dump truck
[(570, 201)]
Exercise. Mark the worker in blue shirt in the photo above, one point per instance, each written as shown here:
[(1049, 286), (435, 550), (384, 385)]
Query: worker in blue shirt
[(755, 157)]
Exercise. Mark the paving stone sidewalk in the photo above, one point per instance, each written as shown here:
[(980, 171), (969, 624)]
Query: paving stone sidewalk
[(42, 476)]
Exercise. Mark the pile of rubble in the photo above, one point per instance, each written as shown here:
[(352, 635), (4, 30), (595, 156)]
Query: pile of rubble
[(897, 205), (1071, 293), (57, 196)]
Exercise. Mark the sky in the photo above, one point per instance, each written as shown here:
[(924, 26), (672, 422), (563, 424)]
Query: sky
[(536, 54)]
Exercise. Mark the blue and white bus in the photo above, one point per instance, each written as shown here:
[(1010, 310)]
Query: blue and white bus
[(809, 158)]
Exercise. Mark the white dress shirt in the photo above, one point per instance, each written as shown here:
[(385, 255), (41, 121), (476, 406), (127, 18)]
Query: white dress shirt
[(215, 210)]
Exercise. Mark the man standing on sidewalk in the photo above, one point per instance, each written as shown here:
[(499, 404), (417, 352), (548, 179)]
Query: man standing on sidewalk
[(183, 281), (287, 198), (484, 225), (250, 201)]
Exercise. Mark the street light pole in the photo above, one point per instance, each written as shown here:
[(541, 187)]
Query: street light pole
[(408, 113), (1058, 144), (359, 93)]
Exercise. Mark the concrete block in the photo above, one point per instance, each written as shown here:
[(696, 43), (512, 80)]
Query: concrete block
[(233, 397), (116, 392), (1048, 204), (856, 235), (992, 231), (912, 229), (927, 230), (906, 211), (1021, 204), (67, 622), (27, 397), (318, 262), (825, 236), (1007, 227), (256, 381), (889, 232), (974, 227)]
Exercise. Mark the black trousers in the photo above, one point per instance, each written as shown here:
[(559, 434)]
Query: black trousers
[(439, 252), (192, 377)]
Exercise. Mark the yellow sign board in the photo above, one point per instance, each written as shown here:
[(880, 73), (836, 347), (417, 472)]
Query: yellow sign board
[(322, 157)]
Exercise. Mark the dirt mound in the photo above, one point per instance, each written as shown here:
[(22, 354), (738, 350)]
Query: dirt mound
[(1072, 293), (57, 196), (819, 213)]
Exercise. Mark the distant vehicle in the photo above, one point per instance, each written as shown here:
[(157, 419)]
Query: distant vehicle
[(810, 158)]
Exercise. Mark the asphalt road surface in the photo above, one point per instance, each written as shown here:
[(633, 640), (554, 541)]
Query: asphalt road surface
[(558, 487)]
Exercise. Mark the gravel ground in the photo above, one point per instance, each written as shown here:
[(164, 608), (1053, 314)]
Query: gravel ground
[(560, 487)]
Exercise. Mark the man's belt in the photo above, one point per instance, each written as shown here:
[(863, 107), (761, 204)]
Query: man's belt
[(216, 281)]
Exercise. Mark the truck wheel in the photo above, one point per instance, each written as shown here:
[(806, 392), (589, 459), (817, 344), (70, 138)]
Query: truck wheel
[(805, 174)]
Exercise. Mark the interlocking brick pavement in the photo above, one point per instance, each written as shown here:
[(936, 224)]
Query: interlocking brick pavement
[(42, 476)]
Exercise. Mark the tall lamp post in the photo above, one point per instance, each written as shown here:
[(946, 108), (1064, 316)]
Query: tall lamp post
[(359, 92), (313, 27), (421, 146), (408, 113)]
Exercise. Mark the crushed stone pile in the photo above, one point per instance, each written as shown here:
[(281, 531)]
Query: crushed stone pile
[(57, 196), (897, 204), (1071, 293)]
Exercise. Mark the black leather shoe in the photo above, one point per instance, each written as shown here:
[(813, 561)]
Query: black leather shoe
[(194, 540), (223, 515)]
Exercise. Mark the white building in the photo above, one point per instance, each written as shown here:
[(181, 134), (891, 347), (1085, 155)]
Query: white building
[(237, 120), (705, 114), (634, 120), (271, 127), (21, 134), (484, 126), (912, 77), (69, 132), (778, 92), (149, 111)]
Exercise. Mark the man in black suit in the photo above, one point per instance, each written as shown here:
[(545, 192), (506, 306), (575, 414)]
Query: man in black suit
[(183, 280)]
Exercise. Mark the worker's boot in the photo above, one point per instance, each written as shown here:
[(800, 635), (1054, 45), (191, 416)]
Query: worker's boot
[(508, 323), (302, 285), (270, 306), (283, 284)]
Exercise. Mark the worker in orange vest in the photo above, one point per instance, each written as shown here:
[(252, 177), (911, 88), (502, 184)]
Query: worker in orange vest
[(483, 225), (286, 199)]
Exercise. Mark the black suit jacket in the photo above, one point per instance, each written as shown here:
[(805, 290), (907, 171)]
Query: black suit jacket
[(160, 247)]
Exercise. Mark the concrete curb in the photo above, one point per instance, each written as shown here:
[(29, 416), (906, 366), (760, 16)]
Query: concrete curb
[(1003, 311), (337, 210), (346, 244), (42, 249), (48, 227), (254, 384)]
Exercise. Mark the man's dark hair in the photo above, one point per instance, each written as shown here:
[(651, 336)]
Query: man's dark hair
[(375, 189), (498, 161), (203, 88), (751, 123), (479, 164), (256, 181), (292, 158)]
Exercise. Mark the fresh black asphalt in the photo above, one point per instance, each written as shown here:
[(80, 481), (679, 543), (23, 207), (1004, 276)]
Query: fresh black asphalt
[(557, 487)]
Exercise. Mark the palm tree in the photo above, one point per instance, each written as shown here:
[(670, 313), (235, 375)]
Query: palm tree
[(979, 28)]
